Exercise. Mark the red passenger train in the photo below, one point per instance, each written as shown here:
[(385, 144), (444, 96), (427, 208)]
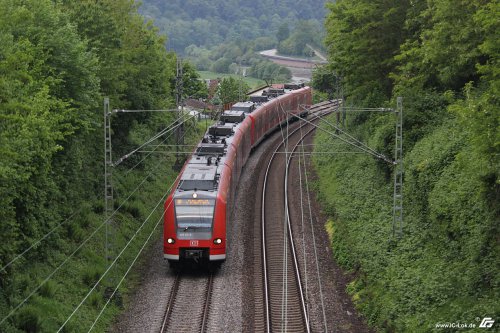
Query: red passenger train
[(200, 204)]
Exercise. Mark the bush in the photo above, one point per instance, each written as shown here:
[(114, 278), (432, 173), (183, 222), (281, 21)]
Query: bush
[(90, 275), (48, 289), (443, 267), (29, 320)]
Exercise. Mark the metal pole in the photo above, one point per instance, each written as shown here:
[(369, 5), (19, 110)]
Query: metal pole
[(108, 181), (179, 135), (397, 224)]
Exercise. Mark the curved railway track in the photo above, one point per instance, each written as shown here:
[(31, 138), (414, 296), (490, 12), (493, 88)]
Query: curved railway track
[(284, 301), (188, 305)]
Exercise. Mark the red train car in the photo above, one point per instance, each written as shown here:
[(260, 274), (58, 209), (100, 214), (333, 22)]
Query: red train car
[(198, 208)]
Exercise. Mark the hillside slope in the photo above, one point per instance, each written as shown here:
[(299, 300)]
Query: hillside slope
[(209, 23), (444, 269)]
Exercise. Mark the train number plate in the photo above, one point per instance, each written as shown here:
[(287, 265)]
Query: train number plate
[(193, 243)]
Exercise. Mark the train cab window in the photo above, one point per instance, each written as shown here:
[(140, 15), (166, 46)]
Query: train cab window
[(194, 218)]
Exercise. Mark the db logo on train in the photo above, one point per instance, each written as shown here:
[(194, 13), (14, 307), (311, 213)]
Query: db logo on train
[(193, 243)]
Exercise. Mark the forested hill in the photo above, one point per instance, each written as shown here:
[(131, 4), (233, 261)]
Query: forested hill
[(209, 23)]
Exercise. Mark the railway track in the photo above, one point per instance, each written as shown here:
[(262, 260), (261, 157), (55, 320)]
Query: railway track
[(283, 301), (189, 304), (190, 296)]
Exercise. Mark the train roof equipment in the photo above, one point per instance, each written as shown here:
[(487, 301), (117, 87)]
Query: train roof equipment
[(247, 107), (232, 116), (259, 98), (273, 92), (221, 130), (210, 149), (199, 177), (202, 171)]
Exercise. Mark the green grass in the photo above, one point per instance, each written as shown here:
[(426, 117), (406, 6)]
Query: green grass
[(252, 82)]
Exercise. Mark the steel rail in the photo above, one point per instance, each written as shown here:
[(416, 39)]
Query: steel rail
[(175, 295), (206, 308), (170, 304), (263, 229)]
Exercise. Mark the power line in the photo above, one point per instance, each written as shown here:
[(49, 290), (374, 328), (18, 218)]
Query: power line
[(356, 140), (51, 274), (115, 260), (142, 160), (39, 241), (128, 270), (361, 146), (54, 228), (132, 111), (156, 136), (77, 249), (314, 243), (353, 109)]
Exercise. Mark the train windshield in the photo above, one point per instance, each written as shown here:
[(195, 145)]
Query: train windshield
[(194, 218)]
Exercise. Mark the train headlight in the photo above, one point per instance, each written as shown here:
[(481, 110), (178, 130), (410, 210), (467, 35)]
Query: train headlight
[(217, 241), (195, 195), (170, 241)]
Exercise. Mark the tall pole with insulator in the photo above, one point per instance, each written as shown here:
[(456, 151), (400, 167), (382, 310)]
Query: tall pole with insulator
[(179, 132), (397, 225), (108, 186)]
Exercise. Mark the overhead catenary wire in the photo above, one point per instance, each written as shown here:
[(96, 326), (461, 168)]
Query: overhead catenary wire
[(314, 243), (361, 147), (355, 140), (131, 265), (354, 109), (284, 291), (39, 241), (115, 260), (324, 152), (77, 249), (292, 246), (133, 111), (356, 143), (156, 136), (302, 223), (126, 273), (51, 274), (144, 158), (129, 268), (19, 305)]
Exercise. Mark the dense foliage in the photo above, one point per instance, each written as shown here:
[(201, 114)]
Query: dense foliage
[(305, 35), (225, 36), (58, 60), (442, 57), (237, 58), (231, 90), (210, 23)]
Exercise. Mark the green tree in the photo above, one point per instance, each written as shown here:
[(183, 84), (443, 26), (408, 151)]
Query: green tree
[(269, 71), (232, 90), (363, 37), (48, 90), (192, 85), (443, 60), (283, 32), (135, 69), (306, 32)]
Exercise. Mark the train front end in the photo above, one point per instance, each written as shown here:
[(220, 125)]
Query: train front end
[(195, 219)]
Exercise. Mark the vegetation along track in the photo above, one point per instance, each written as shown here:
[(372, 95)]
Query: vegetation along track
[(189, 303), (284, 307)]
